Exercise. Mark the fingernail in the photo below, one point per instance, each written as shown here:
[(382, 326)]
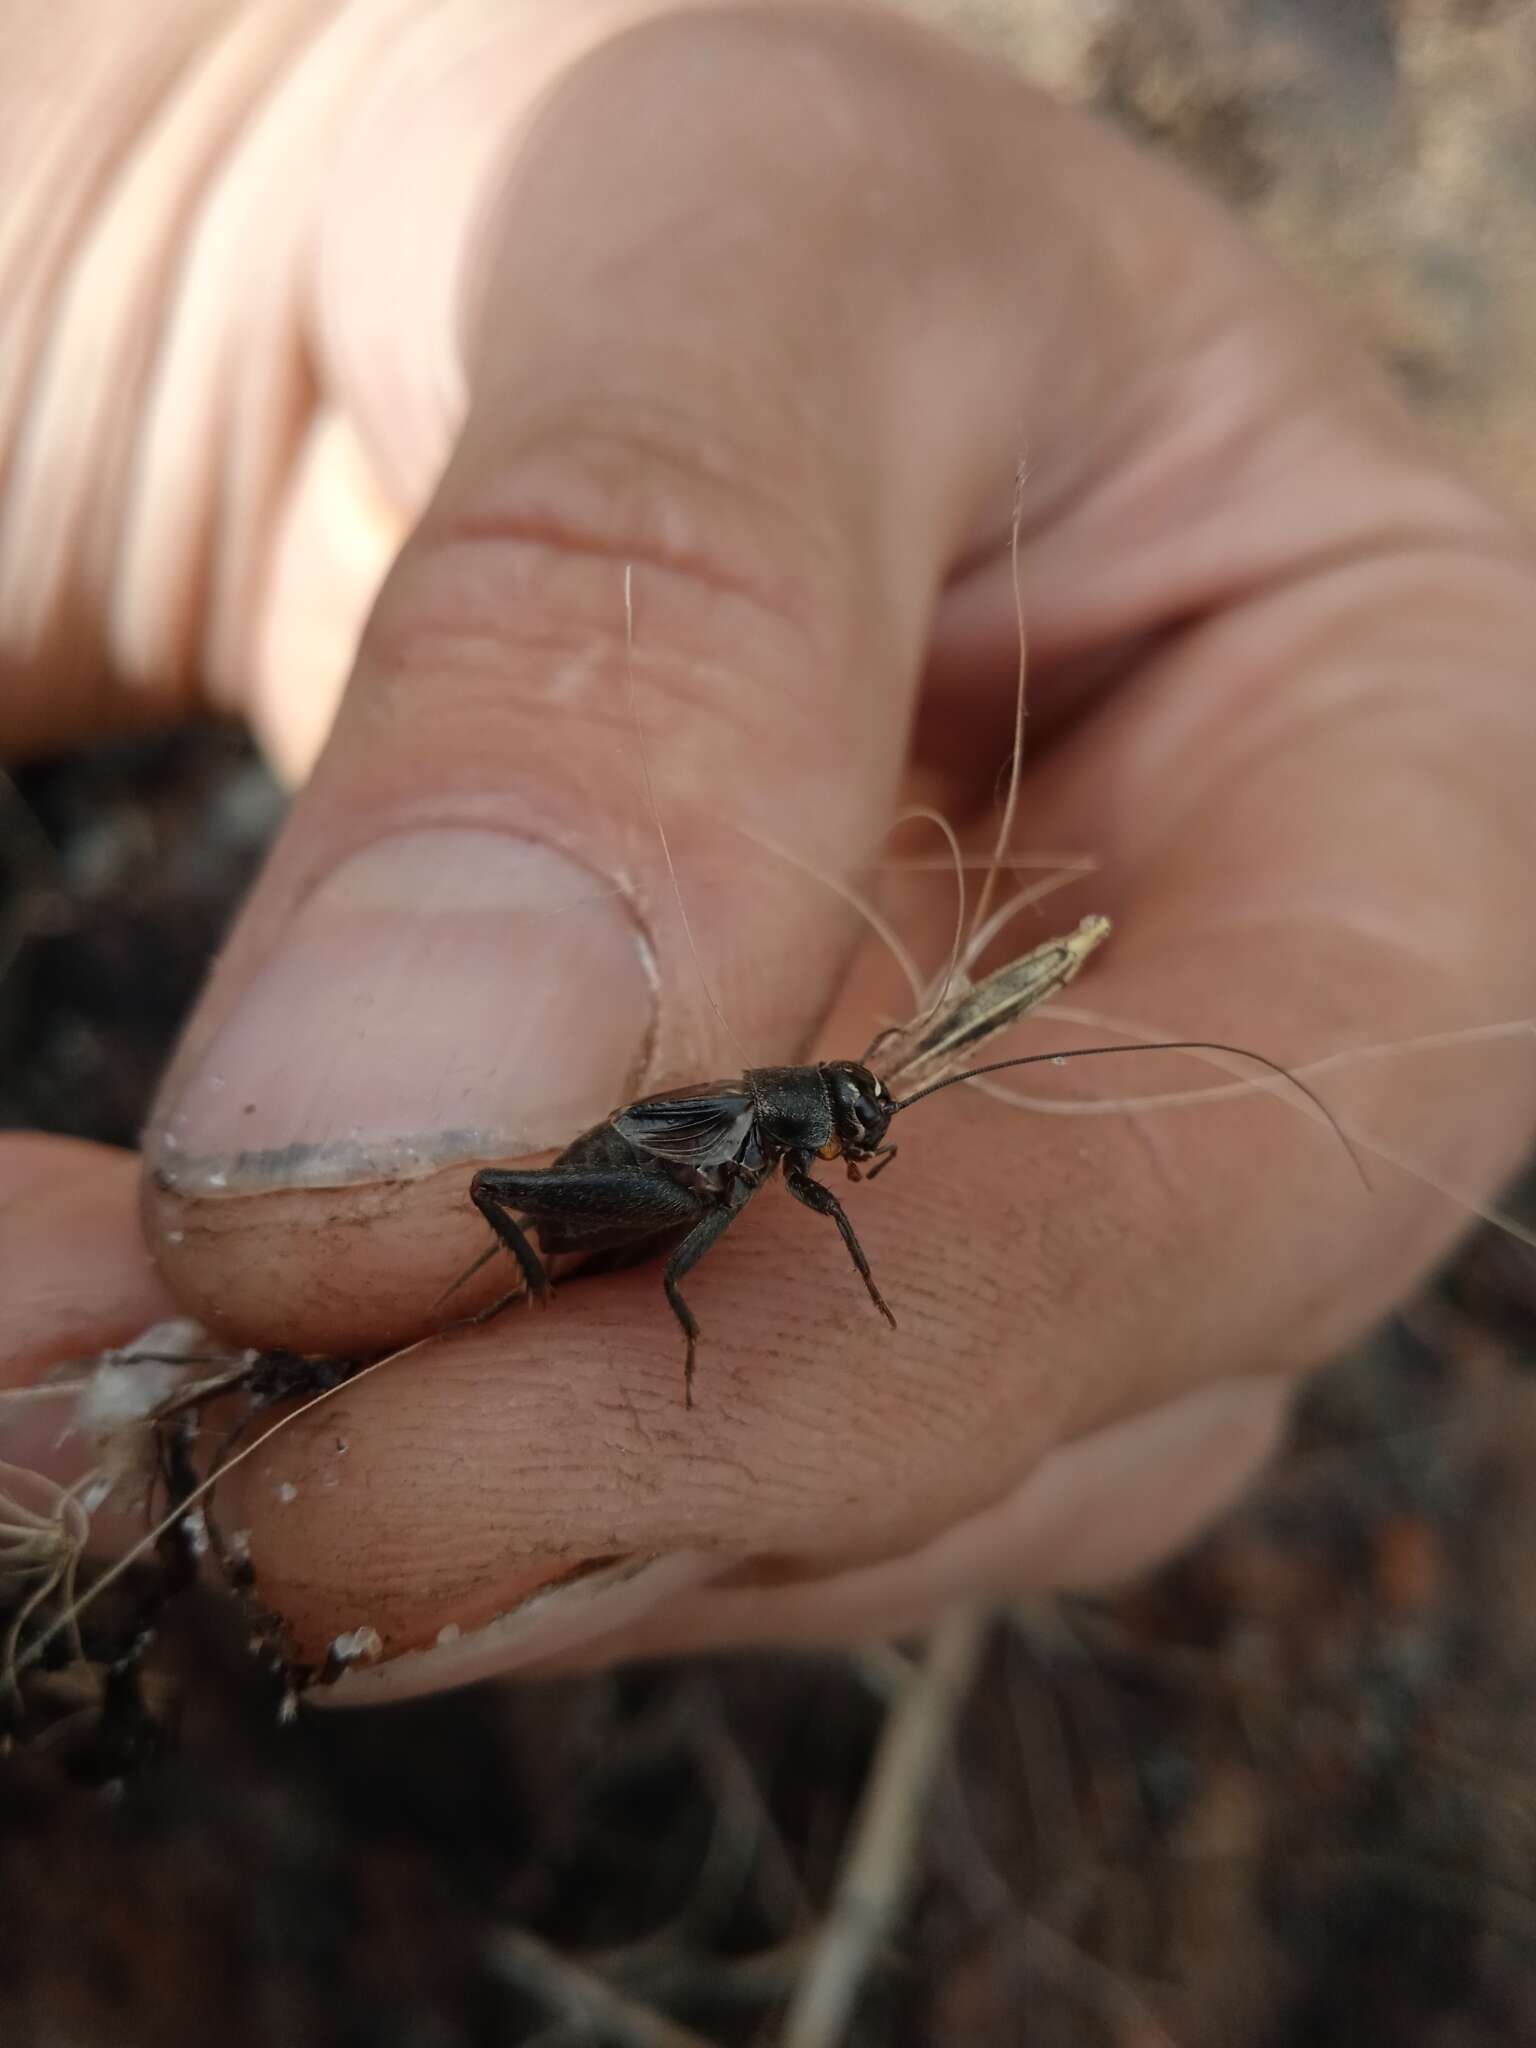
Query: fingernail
[(565, 1617), (443, 995)]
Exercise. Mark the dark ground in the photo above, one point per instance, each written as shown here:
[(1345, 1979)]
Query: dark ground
[(1278, 1795)]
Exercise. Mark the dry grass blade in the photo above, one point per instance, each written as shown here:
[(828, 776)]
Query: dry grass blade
[(1016, 758), (917, 1055), (40, 1550), (1082, 1974), (878, 1863), (1356, 1138), (661, 830), (603, 2014), (76, 1605)]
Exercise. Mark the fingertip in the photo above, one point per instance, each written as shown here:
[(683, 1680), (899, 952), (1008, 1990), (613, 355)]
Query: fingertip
[(75, 1273), (338, 1271)]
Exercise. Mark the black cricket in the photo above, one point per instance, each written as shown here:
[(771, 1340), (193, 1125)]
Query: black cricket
[(682, 1165), (677, 1168)]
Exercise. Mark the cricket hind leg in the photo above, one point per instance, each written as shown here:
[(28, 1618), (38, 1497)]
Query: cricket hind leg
[(492, 1201), (825, 1203), (603, 1209), (492, 1309)]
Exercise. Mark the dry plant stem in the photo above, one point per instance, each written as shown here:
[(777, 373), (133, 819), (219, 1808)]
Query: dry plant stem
[(1050, 1629), (877, 1867), (739, 1799), (667, 1975), (1095, 1985), (1016, 763), (1355, 1136), (941, 824), (532, 1966), (650, 797), (1060, 869), (1058, 1827), (44, 1548), (921, 1054)]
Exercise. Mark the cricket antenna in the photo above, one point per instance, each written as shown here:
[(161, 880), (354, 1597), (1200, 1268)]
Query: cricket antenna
[(1092, 1052)]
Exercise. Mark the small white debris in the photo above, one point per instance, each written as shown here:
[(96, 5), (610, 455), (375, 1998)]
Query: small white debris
[(195, 1523), (218, 1180), (130, 1383), (448, 1633), (126, 1390), (287, 1493), (123, 1391), (237, 1546), (357, 1646), (176, 1337)]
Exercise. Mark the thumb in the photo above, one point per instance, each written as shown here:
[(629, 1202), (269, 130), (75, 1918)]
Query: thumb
[(467, 945)]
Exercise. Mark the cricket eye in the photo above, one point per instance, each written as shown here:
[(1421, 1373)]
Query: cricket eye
[(862, 1115)]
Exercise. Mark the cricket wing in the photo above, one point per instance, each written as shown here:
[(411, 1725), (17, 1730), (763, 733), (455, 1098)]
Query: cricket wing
[(692, 1129)]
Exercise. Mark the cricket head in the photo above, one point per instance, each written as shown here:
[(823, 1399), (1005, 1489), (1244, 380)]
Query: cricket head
[(862, 1108)]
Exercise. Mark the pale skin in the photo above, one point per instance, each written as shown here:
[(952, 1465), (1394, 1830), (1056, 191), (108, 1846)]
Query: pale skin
[(770, 306)]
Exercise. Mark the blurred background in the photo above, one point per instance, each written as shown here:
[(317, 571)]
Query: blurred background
[(1283, 1793)]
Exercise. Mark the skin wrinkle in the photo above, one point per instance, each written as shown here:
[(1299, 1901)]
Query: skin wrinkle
[(1221, 649), (914, 1585), (845, 212), (1233, 494), (934, 473), (442, 636), (613, 468), (457, 86), (1434, 934), (1347, 597), (398, 649)]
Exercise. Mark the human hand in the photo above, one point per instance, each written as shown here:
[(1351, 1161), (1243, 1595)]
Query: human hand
[(768, 305)]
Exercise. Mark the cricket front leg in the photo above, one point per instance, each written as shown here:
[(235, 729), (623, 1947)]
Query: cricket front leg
[(825, 1203)]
